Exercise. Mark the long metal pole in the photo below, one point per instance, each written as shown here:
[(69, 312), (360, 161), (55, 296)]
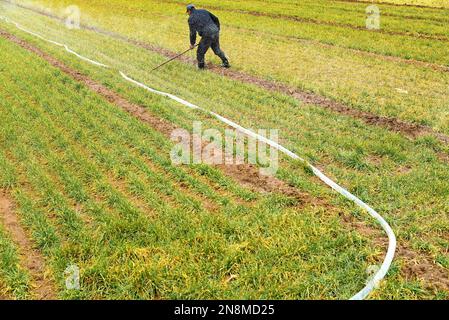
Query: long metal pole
[(181, 54)]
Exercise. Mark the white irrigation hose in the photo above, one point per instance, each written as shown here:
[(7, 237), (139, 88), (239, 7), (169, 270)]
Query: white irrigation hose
[(84, 58), (55, 43), (380, 274)]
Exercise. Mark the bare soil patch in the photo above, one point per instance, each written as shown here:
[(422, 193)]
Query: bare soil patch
[(421, 267), (248, 175), (415, 265), (30, 258)]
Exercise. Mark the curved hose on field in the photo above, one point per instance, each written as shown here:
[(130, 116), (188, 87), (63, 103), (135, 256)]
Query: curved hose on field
[(379, 275)]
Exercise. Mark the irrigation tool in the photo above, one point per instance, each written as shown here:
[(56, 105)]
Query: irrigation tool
[(179, 55)]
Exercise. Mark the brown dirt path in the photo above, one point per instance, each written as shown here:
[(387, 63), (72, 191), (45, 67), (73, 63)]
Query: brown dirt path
[(30, 258)]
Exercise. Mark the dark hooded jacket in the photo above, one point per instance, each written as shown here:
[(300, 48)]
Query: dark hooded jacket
[(204, 23)]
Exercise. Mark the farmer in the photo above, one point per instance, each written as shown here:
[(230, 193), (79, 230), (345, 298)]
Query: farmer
[(208, 27)]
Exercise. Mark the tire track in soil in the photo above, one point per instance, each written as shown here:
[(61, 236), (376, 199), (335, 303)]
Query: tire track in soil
[(246, 174), (30, 258)]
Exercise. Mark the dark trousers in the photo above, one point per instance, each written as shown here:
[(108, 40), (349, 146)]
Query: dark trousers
[(207, 42)]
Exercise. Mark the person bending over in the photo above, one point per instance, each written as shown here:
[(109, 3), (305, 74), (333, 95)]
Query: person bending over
[(208, 27)]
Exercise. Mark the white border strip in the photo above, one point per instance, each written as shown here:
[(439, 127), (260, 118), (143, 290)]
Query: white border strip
[(374, 282)]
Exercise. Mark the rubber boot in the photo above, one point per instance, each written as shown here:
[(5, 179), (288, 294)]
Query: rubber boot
[(226, 64), (201, 65)]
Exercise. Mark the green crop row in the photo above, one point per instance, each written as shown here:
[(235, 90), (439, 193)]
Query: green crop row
[(428, 3), (337, 13), (93, 191), (397, 176), (370, 83), (166, 20)]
